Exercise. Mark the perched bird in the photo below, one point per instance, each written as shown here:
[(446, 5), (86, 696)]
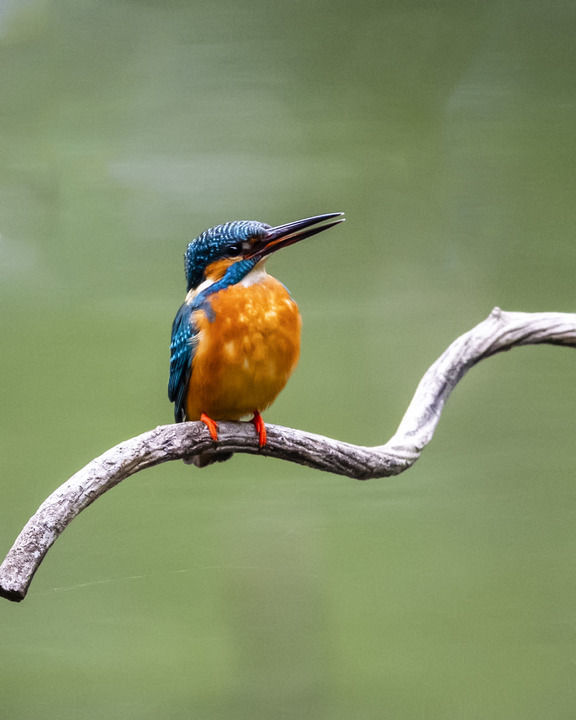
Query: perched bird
[(236, 338)]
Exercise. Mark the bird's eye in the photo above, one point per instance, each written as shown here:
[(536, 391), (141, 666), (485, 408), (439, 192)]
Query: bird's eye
[(234, 249)]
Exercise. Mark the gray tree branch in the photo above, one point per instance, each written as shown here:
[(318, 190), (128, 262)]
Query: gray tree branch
[(500, 331)]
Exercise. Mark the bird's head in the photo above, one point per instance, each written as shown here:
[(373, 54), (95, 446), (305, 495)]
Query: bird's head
[(236, 247)]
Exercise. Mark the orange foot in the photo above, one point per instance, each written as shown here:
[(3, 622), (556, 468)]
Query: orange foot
[(211, 425), (260, 428)]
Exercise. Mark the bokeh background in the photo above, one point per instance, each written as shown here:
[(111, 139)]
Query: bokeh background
[(258, 589)]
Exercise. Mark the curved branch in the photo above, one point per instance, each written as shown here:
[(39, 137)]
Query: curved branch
[(500, 331)]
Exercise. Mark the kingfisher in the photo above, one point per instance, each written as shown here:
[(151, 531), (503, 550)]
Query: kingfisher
[(236, 338)]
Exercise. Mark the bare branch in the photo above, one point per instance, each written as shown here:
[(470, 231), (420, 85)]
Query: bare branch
[(500, 331)]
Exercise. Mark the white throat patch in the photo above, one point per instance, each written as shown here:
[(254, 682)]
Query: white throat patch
[(256, 275)]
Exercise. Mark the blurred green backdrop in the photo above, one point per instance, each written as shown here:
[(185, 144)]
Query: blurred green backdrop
[(257, 589)]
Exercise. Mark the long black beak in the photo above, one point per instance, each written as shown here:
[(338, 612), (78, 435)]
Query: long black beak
[(284, 235)]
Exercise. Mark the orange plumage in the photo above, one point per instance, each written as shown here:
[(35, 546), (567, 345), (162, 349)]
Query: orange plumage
[(247, 352)]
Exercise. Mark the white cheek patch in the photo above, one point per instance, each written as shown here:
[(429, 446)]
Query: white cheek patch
[(197, 290)]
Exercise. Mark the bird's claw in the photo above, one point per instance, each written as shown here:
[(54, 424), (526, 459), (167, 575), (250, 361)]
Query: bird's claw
[(211, 425), (260, 428)]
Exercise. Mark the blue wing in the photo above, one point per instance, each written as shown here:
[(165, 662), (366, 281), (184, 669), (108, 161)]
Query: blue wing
[(182, 348)]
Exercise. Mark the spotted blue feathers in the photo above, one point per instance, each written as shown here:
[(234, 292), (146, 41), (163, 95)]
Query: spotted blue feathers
[(212, 244)]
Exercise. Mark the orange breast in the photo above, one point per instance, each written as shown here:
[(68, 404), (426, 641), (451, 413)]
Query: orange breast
[(246, 353)]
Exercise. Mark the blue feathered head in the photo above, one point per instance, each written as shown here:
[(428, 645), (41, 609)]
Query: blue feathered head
[(233, 239)]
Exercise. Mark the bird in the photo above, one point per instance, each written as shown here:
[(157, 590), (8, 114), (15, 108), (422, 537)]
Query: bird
[(236, 337)]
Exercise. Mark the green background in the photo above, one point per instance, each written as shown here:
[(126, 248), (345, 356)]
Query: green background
[(258, 589)]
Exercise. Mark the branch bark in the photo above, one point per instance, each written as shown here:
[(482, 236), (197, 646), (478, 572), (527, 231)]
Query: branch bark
[(500, 331)]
